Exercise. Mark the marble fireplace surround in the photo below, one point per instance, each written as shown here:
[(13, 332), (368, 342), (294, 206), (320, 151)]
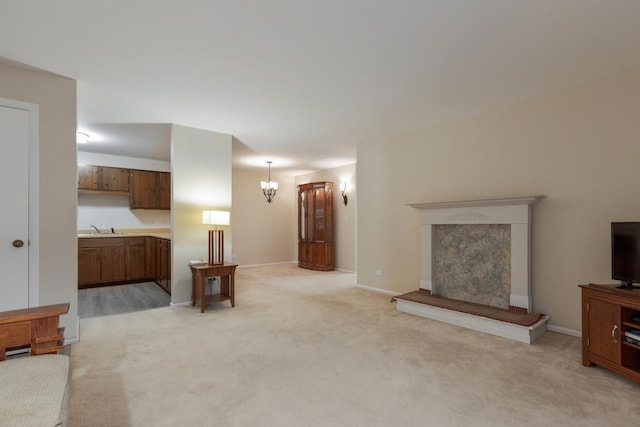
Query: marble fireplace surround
[(514, 211)]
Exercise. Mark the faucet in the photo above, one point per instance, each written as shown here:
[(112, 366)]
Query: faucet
[(96, 228)]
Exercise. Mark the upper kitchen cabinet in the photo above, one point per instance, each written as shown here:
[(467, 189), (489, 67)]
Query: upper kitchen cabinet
[(87, 177), (150, 190), (102, 179), (145, 189), (164, 186)]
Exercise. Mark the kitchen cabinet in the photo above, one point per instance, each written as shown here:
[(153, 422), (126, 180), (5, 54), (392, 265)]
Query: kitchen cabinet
[(164, 190), (114, 179), (135, 267), (143, 193), (101, 260), (88, 265), (150, 190), (150, 257), (146, 189), (113, 260), (162, 274), (112, 266), (315, 226), (103, 179), (87, 177)]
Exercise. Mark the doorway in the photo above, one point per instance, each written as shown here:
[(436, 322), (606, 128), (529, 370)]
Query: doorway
[(18, 186)]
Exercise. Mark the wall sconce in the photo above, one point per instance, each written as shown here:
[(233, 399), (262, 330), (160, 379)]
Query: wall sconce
[(216, 237), (343, 191), (269, 188)]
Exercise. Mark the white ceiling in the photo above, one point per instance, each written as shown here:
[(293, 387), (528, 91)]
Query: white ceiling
[(301, 82)]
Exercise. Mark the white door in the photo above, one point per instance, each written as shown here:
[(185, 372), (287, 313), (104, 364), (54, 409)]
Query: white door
[(14, 208)]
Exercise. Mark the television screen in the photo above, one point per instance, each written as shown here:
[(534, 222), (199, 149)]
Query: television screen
[(625, 252)]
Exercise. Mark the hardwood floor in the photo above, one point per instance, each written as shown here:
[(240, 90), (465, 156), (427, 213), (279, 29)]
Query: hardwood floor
[(117, 299)]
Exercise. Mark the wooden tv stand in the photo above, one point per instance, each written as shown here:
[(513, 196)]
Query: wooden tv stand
[(607, 314)]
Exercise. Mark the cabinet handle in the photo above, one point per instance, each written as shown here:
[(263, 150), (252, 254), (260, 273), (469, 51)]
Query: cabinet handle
[(613, 334)]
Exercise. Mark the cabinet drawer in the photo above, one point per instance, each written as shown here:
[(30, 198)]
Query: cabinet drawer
[(136, 241), (101, 242)]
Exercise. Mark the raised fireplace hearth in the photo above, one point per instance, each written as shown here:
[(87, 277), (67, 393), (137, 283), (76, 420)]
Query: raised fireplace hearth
[(478, 252)]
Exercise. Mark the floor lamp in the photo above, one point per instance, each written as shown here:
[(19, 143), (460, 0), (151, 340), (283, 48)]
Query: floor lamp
[(216, 237)]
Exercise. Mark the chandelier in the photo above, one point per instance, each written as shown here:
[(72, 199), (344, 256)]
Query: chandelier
[(269, 188)]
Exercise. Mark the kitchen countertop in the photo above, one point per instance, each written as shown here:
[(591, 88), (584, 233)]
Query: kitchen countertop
[(161, 233)]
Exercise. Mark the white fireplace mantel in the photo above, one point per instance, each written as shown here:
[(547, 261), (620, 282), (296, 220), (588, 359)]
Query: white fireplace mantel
[(515, 211), (501, 201)]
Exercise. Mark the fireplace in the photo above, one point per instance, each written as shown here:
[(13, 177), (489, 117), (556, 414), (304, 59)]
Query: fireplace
[(472, 262), (479, 251)]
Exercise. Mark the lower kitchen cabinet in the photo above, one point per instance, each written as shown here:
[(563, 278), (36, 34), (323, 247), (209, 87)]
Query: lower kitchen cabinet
[(162, 274), (135, 267), (101, 260), (88, 265), (113, 264), (112, 260), (150, 257)]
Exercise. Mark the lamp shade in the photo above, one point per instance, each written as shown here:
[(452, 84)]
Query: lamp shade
[(215, 217)]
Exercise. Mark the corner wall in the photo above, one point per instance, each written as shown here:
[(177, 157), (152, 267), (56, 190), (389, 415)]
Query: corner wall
[(579, 147), (200, 179)]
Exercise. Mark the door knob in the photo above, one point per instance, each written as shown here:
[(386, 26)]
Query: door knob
[(18, 243)]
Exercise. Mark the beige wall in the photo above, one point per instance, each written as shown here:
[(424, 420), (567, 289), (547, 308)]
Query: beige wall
[(200, 179), (344, 216), (263, 233), (579, 147), (56, 98)]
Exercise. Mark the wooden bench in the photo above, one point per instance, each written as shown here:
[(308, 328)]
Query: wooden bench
[(37, 328), (34, 391)]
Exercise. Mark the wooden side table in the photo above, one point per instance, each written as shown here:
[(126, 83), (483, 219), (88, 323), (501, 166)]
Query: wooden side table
[(199, 275)]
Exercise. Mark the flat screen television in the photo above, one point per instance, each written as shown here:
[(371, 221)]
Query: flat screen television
[(625, 253)]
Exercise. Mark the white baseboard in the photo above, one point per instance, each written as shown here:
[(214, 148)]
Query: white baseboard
[(268, 263), (565, 331), (289, 262), (180, 304), (378, 290)]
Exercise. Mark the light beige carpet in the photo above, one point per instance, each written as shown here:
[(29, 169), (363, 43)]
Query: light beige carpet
[(306, 348)]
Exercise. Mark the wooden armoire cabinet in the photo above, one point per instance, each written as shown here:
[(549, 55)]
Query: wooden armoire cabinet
[(315, 226)]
